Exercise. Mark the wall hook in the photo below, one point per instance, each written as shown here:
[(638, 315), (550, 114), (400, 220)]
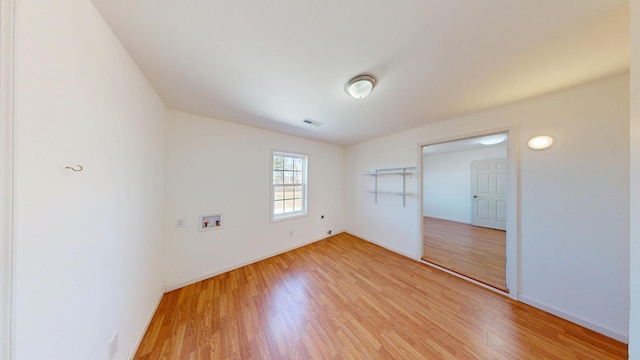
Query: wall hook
[(74, 168)]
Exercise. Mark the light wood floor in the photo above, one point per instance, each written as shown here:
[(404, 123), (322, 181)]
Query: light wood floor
[(476, 252), (346, 298)]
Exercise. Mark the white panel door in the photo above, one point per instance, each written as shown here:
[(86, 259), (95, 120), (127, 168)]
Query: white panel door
[(489, 191)]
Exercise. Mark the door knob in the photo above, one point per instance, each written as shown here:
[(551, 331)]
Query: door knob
[(475, 196)]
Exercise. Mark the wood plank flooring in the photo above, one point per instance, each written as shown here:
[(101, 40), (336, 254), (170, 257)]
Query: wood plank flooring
[(345, 298), (476, 252)]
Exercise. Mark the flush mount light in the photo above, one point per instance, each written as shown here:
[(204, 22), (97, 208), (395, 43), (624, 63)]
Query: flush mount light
[(540, 142), (493, 139), (360, 86)]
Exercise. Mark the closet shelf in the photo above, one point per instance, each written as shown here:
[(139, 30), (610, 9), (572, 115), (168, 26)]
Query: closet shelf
[(390, 192), (402, 171), (390, 171)]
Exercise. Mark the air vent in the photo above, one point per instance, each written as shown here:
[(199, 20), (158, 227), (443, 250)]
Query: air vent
[(311, 122)]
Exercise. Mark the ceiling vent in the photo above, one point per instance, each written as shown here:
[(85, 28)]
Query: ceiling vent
[(311, 122)]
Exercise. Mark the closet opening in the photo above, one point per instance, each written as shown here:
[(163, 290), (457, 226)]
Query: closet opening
[(467, 203)]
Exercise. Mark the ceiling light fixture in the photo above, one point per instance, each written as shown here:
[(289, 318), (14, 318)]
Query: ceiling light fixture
[(360, 86), (540, 142), (493, 140)]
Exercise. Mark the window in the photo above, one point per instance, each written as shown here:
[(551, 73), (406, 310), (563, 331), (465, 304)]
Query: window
[(289, 185)]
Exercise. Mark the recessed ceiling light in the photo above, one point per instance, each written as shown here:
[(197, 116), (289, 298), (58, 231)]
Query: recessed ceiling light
[(360, 86), (540, 142), (493, 140)]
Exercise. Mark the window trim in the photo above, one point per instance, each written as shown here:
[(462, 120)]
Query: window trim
[(305, 185)]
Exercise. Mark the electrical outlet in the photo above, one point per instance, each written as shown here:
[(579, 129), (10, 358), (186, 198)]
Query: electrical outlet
[(290, 233), (113, 346), (179, 223)]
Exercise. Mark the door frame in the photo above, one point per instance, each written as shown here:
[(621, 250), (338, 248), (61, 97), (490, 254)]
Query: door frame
[(513, 211), (7, 40)]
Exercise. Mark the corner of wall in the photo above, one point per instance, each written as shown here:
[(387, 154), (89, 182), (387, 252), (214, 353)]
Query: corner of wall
[(634, 191), (6, 176)]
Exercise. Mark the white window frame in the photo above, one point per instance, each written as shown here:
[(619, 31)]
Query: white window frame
[(304, 183)]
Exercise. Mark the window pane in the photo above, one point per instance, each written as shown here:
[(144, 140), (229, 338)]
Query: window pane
[(288, 192), (297, 164), (277, 163), (297, 177), (278, 207), (278, 177), (288, 163), (288, 177), (297, 205), (278, 193), (288, 206)]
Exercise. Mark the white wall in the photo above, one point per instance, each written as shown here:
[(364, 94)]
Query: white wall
[(214, 166), (574, 205), (446, 190), (6, 173), (634, 326), (88, 245)]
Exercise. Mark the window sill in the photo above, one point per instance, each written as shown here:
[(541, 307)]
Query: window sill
[(287, 217)]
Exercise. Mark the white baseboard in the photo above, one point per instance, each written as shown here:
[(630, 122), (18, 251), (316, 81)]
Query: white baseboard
[(448, 219), (132, 353), (577, 320), (390, 248), (194, 280)]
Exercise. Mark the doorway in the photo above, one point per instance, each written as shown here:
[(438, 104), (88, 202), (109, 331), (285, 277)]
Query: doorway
[(465, 197)]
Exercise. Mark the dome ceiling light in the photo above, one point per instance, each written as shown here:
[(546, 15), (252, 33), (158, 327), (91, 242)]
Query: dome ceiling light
[(360, 86), (494, 139)]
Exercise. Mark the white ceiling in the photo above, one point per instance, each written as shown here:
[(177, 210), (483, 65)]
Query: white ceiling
[(270, 64)]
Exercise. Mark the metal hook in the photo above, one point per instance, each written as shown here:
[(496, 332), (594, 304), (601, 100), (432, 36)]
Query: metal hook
[(74, 169)]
